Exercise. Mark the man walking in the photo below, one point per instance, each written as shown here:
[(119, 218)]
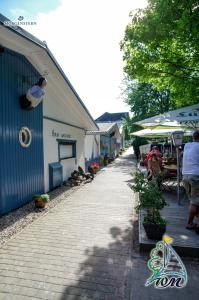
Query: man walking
[(190, 172)]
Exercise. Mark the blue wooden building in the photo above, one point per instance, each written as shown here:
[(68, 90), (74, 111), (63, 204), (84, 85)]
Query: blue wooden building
[(31, 141)]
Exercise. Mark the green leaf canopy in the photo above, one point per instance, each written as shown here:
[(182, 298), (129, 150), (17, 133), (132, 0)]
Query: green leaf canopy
[(161, 47)]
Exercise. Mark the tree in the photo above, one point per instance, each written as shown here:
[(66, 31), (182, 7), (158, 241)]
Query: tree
[(145, 101), (161, 47), (136, 143), (130, 126)]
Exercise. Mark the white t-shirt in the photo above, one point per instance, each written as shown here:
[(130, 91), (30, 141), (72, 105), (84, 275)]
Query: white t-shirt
[(191, 159)]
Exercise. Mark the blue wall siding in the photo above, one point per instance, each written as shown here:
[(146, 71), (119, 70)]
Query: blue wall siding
[(21, 169)]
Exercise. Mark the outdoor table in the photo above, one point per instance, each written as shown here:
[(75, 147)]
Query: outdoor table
[(172, 167)]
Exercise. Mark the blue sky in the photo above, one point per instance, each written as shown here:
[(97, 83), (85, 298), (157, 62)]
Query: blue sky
[(29, 8), (84, 36)]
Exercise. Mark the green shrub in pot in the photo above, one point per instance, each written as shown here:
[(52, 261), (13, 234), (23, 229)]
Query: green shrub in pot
[(41, 200), (151, 201)]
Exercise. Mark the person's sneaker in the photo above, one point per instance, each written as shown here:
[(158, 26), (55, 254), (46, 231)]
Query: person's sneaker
[(191, 227), (197, 229)]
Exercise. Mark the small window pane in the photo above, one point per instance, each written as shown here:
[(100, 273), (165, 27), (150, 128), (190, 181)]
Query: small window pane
[(66, 151)]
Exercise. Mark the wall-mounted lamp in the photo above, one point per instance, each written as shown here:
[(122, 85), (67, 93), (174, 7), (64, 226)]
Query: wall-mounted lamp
[(34, 95)]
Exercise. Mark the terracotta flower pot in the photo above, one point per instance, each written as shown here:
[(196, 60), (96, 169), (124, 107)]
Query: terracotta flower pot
[(40, 200), (40, 203)]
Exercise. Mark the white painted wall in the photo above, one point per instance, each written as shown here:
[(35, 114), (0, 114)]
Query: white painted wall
[(51, 148), (92, 143)]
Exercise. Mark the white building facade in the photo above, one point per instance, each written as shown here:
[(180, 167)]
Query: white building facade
[(40, 147)]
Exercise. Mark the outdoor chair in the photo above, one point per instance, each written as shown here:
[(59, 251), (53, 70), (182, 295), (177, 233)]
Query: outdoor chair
[(169, 181)]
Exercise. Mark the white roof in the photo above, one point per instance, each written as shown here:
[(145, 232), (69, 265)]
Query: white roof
[(105, 126)]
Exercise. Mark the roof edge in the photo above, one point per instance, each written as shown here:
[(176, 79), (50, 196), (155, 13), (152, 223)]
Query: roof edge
[(25, 34), (70, 84)]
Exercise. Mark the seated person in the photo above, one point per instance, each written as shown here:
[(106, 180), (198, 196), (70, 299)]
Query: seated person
[(154, 167), (156, 151)]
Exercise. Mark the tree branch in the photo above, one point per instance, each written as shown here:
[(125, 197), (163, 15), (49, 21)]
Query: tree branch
[(156, 71), (179, 66)]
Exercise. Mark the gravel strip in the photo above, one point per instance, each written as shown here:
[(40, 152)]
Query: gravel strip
[(15, 221)]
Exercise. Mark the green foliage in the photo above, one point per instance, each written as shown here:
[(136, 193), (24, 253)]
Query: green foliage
[(161, 47), (140, 182), (44, 197), (154, 218), (136, 143), (129, 127), (145, 101), (150, 198)]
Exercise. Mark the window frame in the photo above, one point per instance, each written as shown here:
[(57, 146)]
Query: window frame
[(67, 142)]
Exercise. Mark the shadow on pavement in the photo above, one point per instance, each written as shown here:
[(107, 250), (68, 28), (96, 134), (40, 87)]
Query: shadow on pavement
[(104, 274)]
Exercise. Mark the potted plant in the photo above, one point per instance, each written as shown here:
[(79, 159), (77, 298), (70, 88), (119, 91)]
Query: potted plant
[(101, 160), (120, 151), (95, 167), (105, 160), (40, 200), (110, 159), (151, 201)]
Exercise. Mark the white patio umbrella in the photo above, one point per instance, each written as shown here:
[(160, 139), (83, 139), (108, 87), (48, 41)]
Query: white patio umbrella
[(160, 132), (187, 116)]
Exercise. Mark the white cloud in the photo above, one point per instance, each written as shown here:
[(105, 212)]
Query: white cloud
[(84, 37)]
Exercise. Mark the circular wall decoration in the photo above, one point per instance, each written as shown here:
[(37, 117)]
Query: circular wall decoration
[(25, 137)]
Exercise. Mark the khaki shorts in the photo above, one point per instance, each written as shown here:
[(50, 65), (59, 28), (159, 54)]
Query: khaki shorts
[(191, 185)]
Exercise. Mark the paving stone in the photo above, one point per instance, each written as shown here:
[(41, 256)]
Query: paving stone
[(79, 249)]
